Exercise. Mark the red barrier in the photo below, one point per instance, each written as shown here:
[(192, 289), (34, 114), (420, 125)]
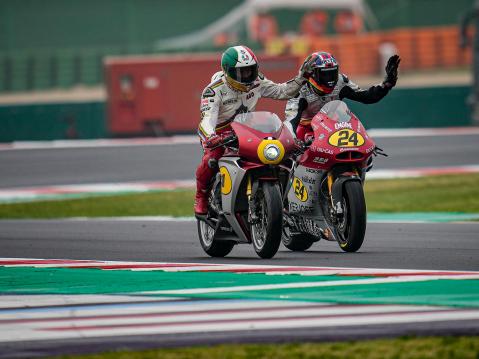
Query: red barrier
[(161, 94)]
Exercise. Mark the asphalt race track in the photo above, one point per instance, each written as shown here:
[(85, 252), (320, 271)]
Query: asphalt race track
[(21, 168), (414, 246), (444, 246)]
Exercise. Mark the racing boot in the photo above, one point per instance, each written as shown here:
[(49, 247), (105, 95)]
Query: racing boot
[(201, 201), (204, 174)]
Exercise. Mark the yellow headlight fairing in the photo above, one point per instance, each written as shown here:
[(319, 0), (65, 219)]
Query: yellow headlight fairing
[(262, 147)]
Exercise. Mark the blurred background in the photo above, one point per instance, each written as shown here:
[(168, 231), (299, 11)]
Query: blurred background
[(119, 68)]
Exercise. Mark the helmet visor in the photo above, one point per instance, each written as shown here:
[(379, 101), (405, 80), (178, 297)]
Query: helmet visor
[(244, 75), (326, 76)]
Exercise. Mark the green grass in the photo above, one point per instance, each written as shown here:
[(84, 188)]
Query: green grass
[(174, 203), (452, 193), (400, 348)]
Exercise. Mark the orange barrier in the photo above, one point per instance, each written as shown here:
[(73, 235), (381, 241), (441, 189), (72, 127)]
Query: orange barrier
[(263, 27), (348, 22), (419, 48), (314, 23)]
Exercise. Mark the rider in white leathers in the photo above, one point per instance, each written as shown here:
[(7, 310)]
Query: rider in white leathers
[(232, 91)]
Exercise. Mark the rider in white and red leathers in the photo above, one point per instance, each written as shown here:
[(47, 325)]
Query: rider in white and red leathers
[(327, 84), (234, 90)]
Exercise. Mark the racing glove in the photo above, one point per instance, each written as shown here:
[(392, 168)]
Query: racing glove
[(307, 67), (212, 141), (392, 71)]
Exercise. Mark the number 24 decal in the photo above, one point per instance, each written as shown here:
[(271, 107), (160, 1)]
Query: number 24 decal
[(300, 190), (346, 138)]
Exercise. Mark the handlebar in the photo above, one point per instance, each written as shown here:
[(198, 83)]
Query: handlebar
[(379, 151), (227, 140)]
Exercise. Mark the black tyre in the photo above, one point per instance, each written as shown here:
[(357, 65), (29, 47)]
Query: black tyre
[(212, 247), (297, 242), (352, 227), (266, 234)]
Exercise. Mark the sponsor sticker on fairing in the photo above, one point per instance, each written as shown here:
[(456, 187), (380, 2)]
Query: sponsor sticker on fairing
[(296, 207), (307, 179), (341, 125), (320, 160), (321, 149), (326, 127)]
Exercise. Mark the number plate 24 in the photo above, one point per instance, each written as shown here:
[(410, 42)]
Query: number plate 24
[(346, 138)]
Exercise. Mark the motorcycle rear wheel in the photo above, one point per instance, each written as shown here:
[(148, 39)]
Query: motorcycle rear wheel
[(212, 247), (352, 228), (266, 234), (298, 242)]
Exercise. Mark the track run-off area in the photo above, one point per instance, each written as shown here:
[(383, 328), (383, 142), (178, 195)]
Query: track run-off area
[(79, 301)]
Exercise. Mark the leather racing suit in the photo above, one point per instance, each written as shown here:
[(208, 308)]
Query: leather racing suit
[(301, 109), (220, 104)]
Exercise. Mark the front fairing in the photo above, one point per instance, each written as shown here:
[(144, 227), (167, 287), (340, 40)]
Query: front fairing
[(339, 137), (256, 133)]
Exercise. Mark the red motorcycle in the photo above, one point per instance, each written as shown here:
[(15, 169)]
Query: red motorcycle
[(325, 197), (245, 202)]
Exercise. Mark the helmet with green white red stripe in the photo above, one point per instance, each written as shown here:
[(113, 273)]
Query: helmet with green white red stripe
[(240, 67)]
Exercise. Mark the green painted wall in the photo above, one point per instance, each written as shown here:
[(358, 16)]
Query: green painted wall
[(52, 24), (52, 121), (413, 13), (402, 108), (417, 107)]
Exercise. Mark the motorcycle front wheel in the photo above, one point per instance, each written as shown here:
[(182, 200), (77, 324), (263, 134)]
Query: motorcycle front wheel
[(212, 247), (266, 231), (352, 227)]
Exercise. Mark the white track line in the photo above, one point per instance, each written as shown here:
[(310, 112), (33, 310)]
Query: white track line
[(423, 132), (309, 284), (59, 144), (362, 315), (238, 268), (31, 301)]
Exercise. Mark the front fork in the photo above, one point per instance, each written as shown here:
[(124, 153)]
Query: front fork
[(335, 189), (251, 188)]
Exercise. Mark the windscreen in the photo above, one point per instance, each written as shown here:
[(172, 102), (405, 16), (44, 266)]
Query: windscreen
[(337, 111), (261, 121)]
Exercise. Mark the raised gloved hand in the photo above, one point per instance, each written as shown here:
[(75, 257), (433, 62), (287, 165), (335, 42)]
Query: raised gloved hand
[(392, 71), (307, 67), (212, 141)]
